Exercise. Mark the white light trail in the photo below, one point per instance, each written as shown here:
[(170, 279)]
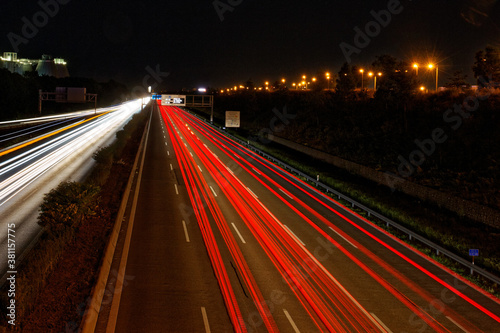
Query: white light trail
[(20, 171)]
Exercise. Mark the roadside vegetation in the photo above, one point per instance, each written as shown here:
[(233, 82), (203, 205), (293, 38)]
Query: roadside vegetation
[(55, 279)]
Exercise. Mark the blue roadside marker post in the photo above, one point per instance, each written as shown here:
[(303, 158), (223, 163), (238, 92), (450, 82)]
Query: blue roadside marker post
[(473, 253)]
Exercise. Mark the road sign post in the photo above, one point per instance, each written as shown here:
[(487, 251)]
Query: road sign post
[(473, 253)]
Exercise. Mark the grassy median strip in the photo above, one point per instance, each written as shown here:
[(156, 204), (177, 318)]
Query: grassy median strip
[(57, 276)]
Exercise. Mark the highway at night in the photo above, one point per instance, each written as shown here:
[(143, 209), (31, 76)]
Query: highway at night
[(33, 167), (224, 240)]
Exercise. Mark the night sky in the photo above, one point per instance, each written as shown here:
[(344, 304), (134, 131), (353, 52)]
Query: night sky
[(262, 40)]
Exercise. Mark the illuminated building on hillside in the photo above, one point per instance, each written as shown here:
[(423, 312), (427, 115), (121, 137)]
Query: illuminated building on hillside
[(45, 66)]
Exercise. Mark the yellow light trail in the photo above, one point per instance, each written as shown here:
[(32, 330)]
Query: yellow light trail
[(51, 134)]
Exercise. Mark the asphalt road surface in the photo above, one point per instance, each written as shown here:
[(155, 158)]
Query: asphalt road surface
[(223, 240)]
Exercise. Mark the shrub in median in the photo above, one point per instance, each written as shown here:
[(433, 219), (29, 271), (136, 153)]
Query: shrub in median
[(67, 205)]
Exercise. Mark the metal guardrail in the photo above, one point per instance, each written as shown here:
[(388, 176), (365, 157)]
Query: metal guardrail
[(439, 249)]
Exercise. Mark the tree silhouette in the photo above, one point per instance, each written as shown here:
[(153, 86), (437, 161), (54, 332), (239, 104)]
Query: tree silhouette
[(458, 81), (487, 67)]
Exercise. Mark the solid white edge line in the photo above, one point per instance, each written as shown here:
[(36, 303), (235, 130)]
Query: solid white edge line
[(251, 192), (205, 319), (238, 232), (342, 237), (294, 235), (213, 191), (458, 325), (380, 322), (176, 189), (117, 294), (295, 328), (185, 231)]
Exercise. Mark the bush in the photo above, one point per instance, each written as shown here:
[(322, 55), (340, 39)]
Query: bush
[(67, 205)]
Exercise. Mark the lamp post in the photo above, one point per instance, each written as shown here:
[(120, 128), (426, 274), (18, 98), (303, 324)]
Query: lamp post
[(415, 65), (328, 80), (379, 74), (370, 74), (431, 66), (361, 71)]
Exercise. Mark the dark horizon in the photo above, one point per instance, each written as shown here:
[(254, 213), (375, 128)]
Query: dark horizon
[(199, 45)]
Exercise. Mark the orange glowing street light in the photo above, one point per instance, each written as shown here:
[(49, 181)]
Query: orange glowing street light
[(415, 65), (370, 74), (328, 79), (362, 72), (431, 66)]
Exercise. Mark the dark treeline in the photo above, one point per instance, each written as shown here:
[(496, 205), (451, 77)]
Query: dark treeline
[(19, 94), (448, 140)]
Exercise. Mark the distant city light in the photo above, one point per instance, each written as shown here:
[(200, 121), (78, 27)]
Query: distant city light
[(203, 90)]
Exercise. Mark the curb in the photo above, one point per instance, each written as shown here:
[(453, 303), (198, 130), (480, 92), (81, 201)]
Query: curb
[(91, 314)]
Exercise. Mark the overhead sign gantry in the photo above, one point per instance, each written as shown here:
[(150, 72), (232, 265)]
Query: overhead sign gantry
[(173, 100)]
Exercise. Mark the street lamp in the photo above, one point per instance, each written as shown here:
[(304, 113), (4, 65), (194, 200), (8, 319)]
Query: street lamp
[(379, 74), (415, 65), (370, 74), (361, 71), (328, 79), (431, 66)]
